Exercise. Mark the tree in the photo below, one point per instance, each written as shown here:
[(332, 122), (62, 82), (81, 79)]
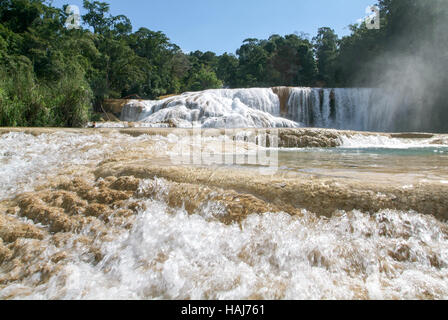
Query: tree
[(205, 79), (227, 69), (164, 64), (407, 54), (326, 48), (97, 16), (19, 15), (52, 76), (278, 61), (252, 64)]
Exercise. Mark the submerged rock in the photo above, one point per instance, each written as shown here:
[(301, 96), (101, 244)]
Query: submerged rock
[(106, 214)]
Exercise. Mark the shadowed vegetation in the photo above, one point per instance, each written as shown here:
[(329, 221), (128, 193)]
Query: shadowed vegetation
[(53, 76)]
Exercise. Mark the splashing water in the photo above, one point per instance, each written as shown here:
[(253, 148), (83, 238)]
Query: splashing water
[(223, 108), (165, 252), (362, 109), (390, 255), (27, 159)]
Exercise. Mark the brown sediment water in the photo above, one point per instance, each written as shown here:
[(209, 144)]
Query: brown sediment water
[(288, 138), (323, 195), (283, 95), (111, 209)]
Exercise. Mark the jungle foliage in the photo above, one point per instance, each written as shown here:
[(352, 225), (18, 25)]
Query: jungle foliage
[(53, 76)]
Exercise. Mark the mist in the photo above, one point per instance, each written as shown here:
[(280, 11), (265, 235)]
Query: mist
[(411, 70)]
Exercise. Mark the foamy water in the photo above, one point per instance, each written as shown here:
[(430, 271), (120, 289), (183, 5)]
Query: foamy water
[(221, 108), (385, 142), (169, 254), (364, 109), (27, 159), (389, 255)]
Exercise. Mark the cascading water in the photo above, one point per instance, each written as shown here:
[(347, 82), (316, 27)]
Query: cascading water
[(104, 214), (348, 109), (222, 108), (362, 109)]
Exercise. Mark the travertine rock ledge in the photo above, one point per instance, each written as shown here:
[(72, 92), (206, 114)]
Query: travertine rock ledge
[(288, 137), (321, 195)]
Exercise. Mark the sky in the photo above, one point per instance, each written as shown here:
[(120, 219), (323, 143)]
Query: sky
[(222, 26)]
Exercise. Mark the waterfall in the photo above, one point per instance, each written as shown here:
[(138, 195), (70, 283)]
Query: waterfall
[(349, 109), (219, 108), (361, 109)]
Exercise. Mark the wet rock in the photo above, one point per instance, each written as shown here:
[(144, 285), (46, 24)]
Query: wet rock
[(69, 201), (12, 229), (298, 192), (35, 209), (97, 210), (126, 184)]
